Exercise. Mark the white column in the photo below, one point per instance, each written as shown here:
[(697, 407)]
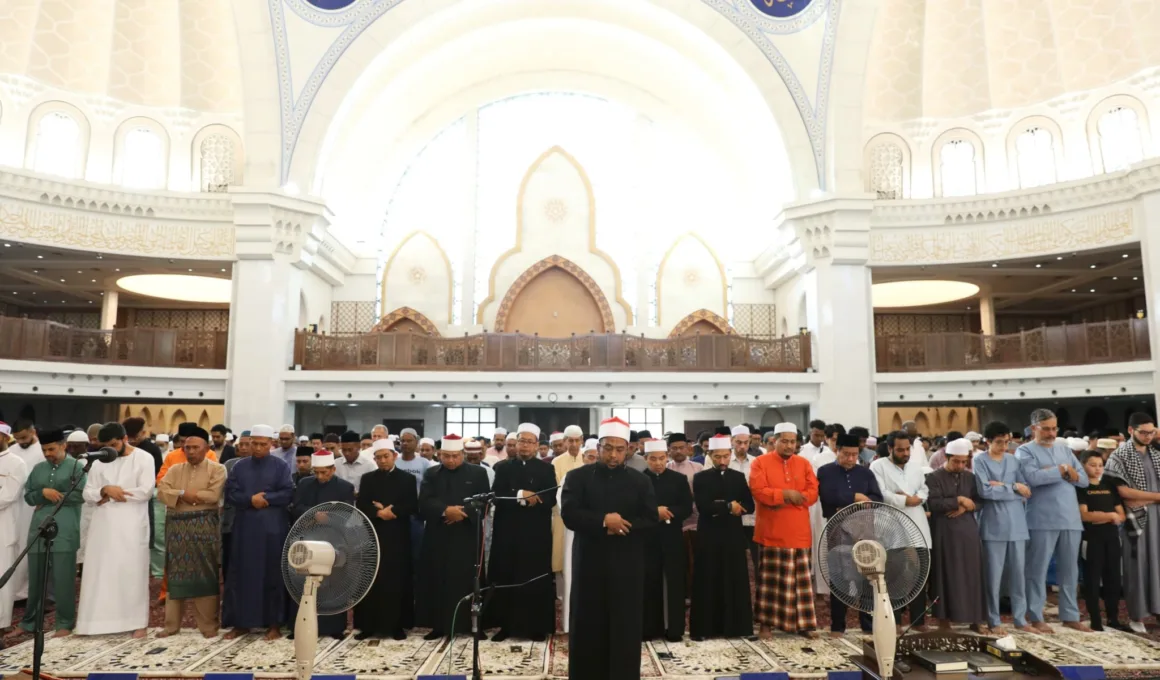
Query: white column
[(1149, 230), (109, 310), (987, 311), (470, 187)]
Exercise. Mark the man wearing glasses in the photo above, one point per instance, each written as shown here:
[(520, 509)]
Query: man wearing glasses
[(1053, 520), (1136, 467)]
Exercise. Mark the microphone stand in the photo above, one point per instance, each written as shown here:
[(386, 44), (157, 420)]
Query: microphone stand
[(480, 504), (47, 532)]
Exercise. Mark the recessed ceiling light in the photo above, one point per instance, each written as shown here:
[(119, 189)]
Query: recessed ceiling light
[(190, 270), (62, 280), (1092, 267), (994, 264), (1038, 266), (94, 280), (7, 245), (223, 269), (116, 270), (1135, 278), (920, 293), (1125, 256), (40, 257), (1092, 290), (1060, 257), (80, 272), (1073, 290), (178, 287), (90, 302)]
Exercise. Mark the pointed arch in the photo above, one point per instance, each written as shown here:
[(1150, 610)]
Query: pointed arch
[(716, 260), (896, 422), (952, 420), (203, 420), (519, 246), (921, 424), (702, 316), (446, 262), (569, 267), (177, 419), (406, 313)]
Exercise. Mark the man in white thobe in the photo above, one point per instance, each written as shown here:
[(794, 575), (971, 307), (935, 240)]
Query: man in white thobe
[(13, 473), (902, 481), (115, 585), (27, 449)]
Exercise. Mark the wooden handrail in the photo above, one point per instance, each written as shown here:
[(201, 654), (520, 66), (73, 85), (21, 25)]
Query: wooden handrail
[(39, 340), (1065, 345)]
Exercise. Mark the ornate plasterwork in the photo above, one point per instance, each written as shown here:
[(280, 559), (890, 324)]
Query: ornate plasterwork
[(542, 266), (388, 320), (982, 242), (720, 322)]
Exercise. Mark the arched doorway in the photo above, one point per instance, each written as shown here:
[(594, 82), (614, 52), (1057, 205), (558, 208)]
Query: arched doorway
[(406, 320), (701, 322), (555, 299)]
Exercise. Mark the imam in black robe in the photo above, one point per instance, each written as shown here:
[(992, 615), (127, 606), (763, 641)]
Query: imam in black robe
[(664, 559), (521, 550), (956, 557), (605, 623), (721, 603), (449, 553), (311, 492), (389, 607)]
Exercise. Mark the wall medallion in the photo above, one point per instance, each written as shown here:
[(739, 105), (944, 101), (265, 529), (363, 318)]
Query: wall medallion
[(781, 9)]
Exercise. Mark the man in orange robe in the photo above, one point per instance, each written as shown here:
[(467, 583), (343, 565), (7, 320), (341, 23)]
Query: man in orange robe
[(784, 487)]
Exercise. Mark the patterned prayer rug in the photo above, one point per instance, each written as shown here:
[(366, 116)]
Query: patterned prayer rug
[(1048, 648), (509, 659), (804, 658), (559, 660), (152, 655), (253, 653), (380, 659), (1112, 648), (710, 659), (61, 654)]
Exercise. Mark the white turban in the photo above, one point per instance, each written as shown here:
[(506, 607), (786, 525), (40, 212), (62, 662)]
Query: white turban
[(785, 427), (77, 436), (262, 431), (323, 458), (428, 441), (555, 436), (740, 431), (654, 445), (499, 432), (614, 427), (720, 442), (381, 445), (573, 431), (530, 428), (452, 442), (591, 445), (959, 447), (286, 429)]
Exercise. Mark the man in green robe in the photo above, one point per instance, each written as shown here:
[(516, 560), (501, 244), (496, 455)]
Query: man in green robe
[(46, 484)]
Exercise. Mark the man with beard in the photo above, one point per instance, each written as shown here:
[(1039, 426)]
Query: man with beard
[(449, 551), (353, 464), (427, 450), (608, 506), (118, 548), (324, 486), (664, 576), (556, 445), (388, 497), (522, 543), (903, 485), (816, 440), (679, 452), (741, 462), (562, 464), (303, 467), (218, 443), (721, 605), (287, 446), (28, 450), (497, 451)]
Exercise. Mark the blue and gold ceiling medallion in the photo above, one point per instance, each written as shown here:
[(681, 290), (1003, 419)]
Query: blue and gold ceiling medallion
[(781, 9), (331, 5)]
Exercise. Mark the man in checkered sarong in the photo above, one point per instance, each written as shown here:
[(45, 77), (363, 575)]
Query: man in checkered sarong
[(784, 487)]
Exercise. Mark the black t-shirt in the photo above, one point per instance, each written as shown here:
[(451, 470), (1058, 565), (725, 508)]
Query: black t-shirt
[(153, 450), (1102, 497)]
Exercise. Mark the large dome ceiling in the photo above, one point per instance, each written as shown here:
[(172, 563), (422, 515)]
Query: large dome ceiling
[(950, 58), (165, 53)]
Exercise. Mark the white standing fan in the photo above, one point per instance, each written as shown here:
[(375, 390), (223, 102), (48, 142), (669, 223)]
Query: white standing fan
[(329, 562), (875, 560)]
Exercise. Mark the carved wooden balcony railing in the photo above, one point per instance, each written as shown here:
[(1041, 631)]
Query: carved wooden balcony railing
[(518, 352), (37, 340), (1068, 345)]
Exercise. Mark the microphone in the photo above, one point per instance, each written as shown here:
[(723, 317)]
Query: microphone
[(105, 454), (479, 497)]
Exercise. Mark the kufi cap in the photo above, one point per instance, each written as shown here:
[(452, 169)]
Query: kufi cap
[(555, 436), (973, 436), (472, 445), (428, 441), (188, 430), (511, 437), (720, 441), (5, 428), (350, 437), (304, 438), (323, 458), (675, 437), (785, 427), (530, 428), (1106, 444), (245, 433), (285, 429), (262, 431), (452, 442), (392, 438), (871, 441), (848, 441), (654, 445), (52, 436), (739, 431), (381, 445), (959, 447), (230, 437), (164, 438), (1076, 444), (614, 427), (591, 445), (573, 431), (198, 432), (77, 437), (499, 432)]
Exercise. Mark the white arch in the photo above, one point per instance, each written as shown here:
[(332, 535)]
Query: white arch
[(1105, 106), (887, 139), (1051, 127), (195, 153), (952, 135), (123, 130), (84, 133)]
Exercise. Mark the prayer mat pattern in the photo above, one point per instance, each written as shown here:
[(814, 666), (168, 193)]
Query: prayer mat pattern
[(559, 661), (154, 656), (253, 653), (803, 657), (1050, 650), (711, 658), (61, 654), (1112, 648), (511, 658), (377, 658)]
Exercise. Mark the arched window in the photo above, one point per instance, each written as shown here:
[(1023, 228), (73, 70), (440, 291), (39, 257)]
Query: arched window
[(886, 171), (1120, 141), (143, 160), (58, 145), (957, 165), (217, 163), (1036, 158)]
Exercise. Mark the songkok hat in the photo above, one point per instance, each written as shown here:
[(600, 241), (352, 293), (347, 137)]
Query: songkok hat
[(381, 445), (472, 445), (591, 445), (1076, 444), (555, 436), (304, 451), (644, 434), (573, 431), (530, 428), (1106, 444), (198, 432), (499, 432), (262, 431), (973, 437), (54, 436), (849, 441), (739, 431), (286, 429), (633, 436), (720, 441), (654, 445), (452, 442), (614, 427), (5, 428), (871, 441), (164, 438), (323, 458), (304, 438), (77, 437), (959, 447), (189, 430), (428, 441), (675, 437), (350, 437), (511, 437), (785, 427)]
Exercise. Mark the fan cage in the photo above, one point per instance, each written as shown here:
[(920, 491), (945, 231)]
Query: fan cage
[(356, 561), (907, 555)]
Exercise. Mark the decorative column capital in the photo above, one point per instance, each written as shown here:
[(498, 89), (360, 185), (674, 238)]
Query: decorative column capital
[(270, 224), (833, 229)]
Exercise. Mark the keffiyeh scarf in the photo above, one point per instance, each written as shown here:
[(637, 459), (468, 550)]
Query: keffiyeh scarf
[(1126, 465)]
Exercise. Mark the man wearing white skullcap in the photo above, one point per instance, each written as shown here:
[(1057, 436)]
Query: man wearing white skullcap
[(326, 485), (741, 462), (609, 507), (665, 560), (567, 460), (497, 451), (556, 444), (591, 453)]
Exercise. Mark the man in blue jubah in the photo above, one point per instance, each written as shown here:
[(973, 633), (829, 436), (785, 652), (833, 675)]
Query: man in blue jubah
[(260, 489), (1052, 471)]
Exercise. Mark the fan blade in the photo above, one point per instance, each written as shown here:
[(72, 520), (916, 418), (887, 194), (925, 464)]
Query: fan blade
[(306, 629)]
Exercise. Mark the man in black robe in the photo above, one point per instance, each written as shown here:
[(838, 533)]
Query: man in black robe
[(323, 487), (664, 555), (956, 569), (610, 508), (521, 547), (450, 552), (722, 606), (388, 497)]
